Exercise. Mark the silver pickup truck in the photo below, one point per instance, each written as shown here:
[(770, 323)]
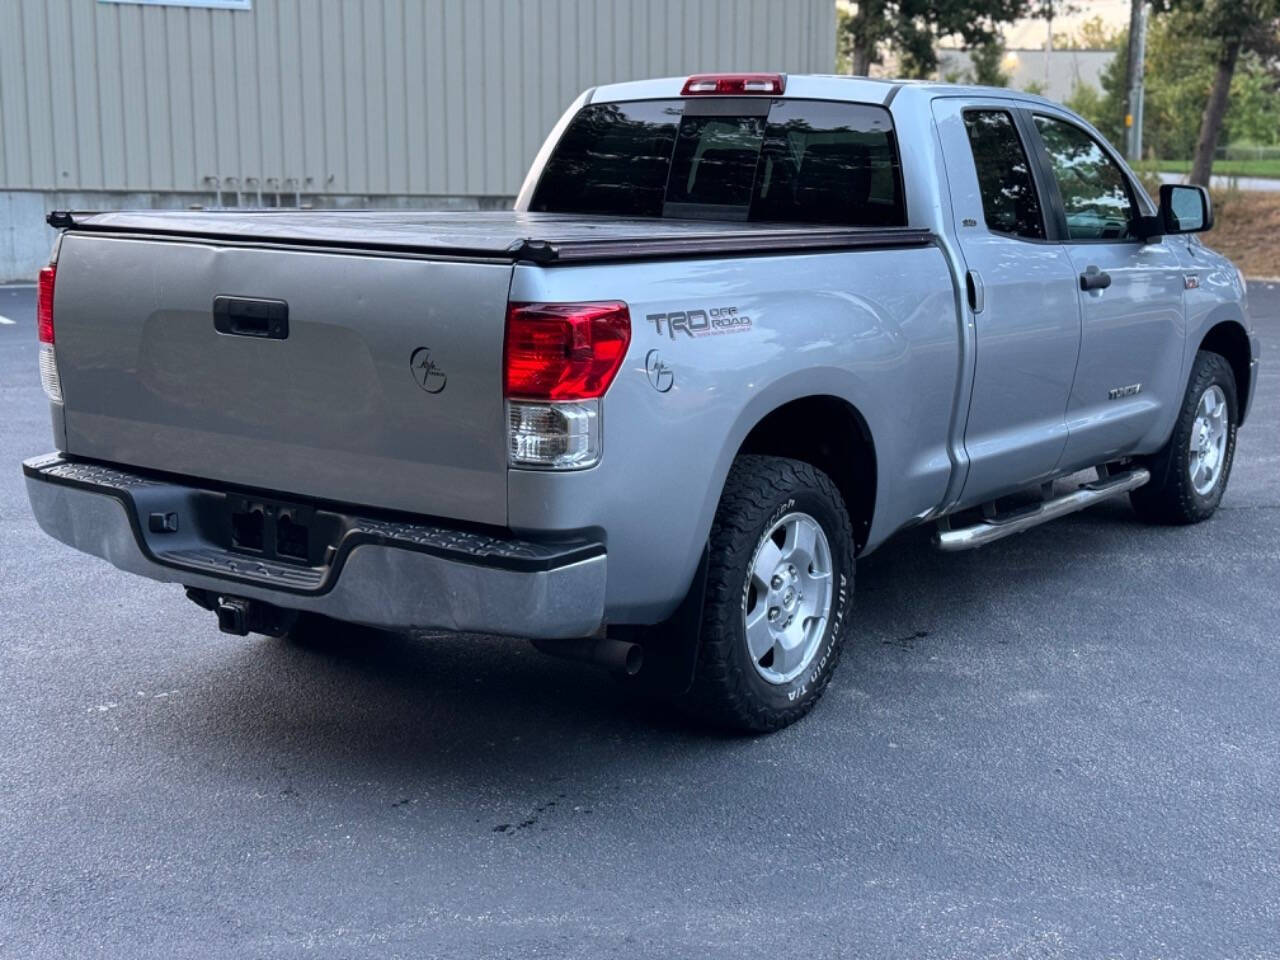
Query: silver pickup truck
[(737, 331)]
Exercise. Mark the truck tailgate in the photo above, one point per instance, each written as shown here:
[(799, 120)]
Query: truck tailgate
[(386, 390)]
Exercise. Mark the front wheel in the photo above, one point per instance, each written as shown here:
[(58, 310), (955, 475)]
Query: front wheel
[(1189, 474), (779, 594)]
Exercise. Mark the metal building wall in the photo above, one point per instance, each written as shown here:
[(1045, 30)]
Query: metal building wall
[(347, 97)]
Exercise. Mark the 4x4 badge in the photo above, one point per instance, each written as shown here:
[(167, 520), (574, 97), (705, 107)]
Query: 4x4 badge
[(425, 372)]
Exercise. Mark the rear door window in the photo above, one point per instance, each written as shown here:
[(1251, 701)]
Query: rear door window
[(1010, 203), (800, 161)]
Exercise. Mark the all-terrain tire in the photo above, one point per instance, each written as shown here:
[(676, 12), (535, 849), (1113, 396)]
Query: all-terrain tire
[(730, 690), (1171, 496)]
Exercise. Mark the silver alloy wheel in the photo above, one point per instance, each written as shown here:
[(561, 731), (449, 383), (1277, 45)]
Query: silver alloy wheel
[(1209, 440), (787, 598)]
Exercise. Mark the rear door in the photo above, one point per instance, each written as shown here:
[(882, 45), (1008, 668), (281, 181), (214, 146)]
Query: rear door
[(1128, 381), (1022, 299), (370, 380)]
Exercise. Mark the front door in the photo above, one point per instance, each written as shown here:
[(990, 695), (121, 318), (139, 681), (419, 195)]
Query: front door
[(1127, 384), (1022, 299)]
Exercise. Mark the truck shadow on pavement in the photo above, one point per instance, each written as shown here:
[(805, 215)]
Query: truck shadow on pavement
[(450, 702)]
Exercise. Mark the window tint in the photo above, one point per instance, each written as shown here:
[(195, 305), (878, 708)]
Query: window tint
[(613, 158), (714, 168), (1094, 190), (1009, 199), (828, 162), (806, 162)]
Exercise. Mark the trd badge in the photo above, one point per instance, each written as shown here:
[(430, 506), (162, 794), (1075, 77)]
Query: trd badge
[(425, 371)]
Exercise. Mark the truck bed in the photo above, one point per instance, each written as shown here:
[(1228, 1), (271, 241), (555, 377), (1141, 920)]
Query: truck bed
[(382, 384), (500, 235)]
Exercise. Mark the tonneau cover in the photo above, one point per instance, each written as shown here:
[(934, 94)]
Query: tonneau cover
[(492, 235)]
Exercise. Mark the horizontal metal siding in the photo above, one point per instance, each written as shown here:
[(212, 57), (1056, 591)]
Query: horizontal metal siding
[(400, 97)]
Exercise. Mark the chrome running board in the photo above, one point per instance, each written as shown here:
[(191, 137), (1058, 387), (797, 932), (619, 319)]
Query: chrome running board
[(996, 528)]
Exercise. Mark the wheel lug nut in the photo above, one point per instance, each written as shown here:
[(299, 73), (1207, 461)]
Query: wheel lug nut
[(776, 582), (773, 613)]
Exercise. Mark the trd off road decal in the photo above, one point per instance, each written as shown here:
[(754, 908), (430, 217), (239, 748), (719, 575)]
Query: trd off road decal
[(700, 323)]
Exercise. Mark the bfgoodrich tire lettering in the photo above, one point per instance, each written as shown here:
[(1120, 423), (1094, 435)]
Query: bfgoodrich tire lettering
[(1171, 496), (729, 689)]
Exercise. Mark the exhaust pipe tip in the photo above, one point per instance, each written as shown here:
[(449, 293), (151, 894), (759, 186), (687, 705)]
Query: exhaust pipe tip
[(632, 658), (616, 656)]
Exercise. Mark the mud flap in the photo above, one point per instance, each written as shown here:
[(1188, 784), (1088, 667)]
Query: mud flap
[(671, 647)]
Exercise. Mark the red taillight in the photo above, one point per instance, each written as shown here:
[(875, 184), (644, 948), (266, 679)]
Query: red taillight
[(564, 351), (710, 84), (44, 303)]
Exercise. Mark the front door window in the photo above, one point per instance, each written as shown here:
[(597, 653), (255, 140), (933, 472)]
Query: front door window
[(1095, 192)]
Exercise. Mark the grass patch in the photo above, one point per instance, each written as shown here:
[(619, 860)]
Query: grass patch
[(1247, 229), (1269, 167)]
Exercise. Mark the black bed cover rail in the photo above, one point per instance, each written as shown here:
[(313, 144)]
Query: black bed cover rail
[(508, 236), (712, 244)]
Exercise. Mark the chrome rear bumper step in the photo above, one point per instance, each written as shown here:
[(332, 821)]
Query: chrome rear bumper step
[(989, 530)]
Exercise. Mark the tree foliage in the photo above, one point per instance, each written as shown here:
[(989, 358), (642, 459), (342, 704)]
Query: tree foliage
[(987, 61), (1093, 34), (1233, 27), (912, 28), (1180, 65)]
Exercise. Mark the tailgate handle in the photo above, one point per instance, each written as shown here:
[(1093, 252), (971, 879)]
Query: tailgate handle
[(249, 317)]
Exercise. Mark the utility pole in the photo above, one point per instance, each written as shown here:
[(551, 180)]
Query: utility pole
[(1048, 43), (1137, 60)]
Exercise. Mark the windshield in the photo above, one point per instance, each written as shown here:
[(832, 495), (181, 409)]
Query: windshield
[(801, 161)]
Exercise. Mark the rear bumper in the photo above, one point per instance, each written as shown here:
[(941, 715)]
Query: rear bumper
[(386, 573)]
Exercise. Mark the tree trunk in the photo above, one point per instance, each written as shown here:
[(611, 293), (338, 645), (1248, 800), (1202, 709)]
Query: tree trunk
[(861, 58), (1214, 111)]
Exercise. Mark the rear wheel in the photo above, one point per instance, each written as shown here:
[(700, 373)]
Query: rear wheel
[(779, 592), (1189, 474)]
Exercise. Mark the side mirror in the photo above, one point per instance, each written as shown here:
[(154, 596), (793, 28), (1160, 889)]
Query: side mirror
[(1185, 208)]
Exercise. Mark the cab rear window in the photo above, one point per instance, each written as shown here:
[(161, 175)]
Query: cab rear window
[(799, 161)]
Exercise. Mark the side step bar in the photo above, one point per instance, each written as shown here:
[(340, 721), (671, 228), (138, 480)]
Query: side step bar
[(989, 530)]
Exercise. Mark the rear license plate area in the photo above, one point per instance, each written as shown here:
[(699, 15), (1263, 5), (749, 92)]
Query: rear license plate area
[(277, 530)]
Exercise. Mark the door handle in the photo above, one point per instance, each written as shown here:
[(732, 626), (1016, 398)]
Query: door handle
[(249, 317), (1094, 279), (974, 291)]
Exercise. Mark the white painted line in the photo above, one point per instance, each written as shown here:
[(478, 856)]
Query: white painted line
[(5, 321), (17, 285)]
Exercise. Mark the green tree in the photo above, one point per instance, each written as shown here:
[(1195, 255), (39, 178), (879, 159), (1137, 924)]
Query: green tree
[(1087, 100), (1093, 34), (1180, 67), (1231, 27), (987, 61), (911, 28)]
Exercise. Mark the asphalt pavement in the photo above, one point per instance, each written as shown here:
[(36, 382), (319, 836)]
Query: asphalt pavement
[(1066, 744)]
